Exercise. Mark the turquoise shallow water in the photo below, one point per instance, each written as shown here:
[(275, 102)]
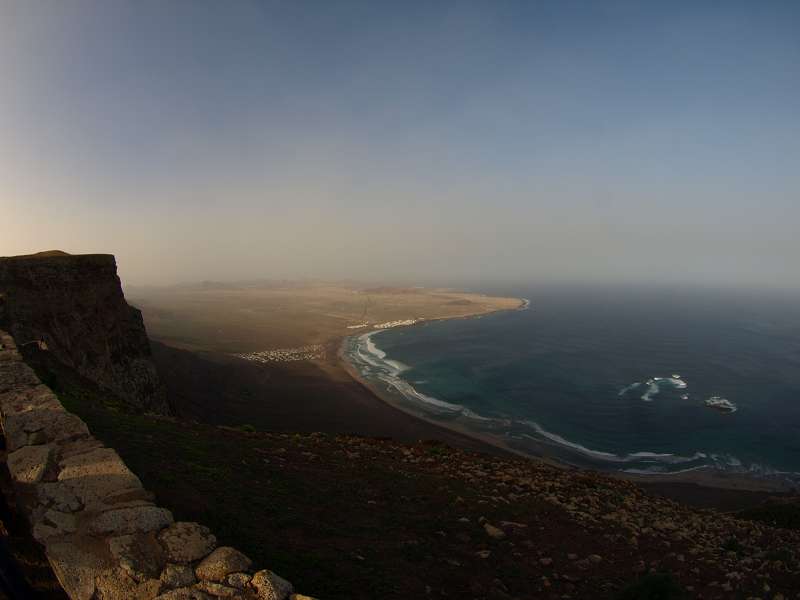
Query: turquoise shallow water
[(611, 378)]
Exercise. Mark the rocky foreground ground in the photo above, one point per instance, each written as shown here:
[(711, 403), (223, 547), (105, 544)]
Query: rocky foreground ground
[(365, 518), (573, 534), (362, 518)]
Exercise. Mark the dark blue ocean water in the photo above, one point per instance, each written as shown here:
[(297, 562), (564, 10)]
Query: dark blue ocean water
[(559, 377)]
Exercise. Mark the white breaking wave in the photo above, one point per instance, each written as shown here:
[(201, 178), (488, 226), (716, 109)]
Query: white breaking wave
[(629, 388), (409, 391), (643, 456), (371, 347), (397, 365), (661, 471), (654, 386), (722, 404)]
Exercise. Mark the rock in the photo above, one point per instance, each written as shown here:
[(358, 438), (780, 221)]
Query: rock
[(178, 576), (28, 464), (483, 553), (71, 448), (185, 593), (221, 562), (546, 561), (54, 523), (269, 586), (187, 542), (41, 426), (29, 398), (131, 520), (595, 558), (513, 524), (139, 555), (217, 589), (664, 526), (116, 584), (57, 495), (94, 476), (493, 531), (75, 569), (238, 580)]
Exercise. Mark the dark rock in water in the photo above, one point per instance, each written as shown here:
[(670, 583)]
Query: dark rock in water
[(73, 306)]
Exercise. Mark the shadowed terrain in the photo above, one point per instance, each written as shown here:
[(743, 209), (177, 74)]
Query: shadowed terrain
[(360, 517)]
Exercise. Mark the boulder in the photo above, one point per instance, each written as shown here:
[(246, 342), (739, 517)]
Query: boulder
[(27, 398), (222, 562), (238, 580), (96, 475), (116, 584), (139, 555), (177, 576), (187, 542), (41, 426), (28, 464), (269, 586), (218, 590), (75, 569), (185, 593), (54, 523), (494, 532), (131, 520), (59, 496)]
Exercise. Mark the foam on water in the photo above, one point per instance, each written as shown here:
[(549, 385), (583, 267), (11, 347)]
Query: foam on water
[(721, 404), (628, 388), (371, 347), (643, 456), (654, 386)]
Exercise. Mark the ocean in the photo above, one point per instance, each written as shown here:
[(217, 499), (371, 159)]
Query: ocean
[(646, 380)]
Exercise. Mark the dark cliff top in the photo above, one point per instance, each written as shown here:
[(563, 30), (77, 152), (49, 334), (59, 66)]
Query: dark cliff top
[(53, 258), (57, 254), (39, 270), (43, 254)]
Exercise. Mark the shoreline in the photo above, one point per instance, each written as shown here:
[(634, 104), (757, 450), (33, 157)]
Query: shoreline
[(702, 477)]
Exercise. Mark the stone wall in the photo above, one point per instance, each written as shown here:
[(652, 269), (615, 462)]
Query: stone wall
[(75, 305), (103, 535)]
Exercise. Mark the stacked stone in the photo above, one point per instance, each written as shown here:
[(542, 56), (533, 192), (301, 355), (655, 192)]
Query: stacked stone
[(102, 533)]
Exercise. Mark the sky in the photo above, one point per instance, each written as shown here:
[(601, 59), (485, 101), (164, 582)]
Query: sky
[(405, 141)]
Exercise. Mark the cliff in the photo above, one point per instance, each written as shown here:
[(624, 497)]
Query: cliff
[(73, 306)]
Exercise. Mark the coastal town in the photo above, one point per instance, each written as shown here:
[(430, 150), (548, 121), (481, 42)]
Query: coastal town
[(311, 352), (400, 323), (314, 351)]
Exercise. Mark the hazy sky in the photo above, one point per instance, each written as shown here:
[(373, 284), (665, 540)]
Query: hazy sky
[(419, 141)]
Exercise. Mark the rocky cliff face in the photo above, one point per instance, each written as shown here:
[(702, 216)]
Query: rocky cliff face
[(75, 306)]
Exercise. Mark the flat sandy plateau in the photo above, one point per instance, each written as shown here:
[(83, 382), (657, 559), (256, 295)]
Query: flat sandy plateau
[(197, 331), (258, 317)]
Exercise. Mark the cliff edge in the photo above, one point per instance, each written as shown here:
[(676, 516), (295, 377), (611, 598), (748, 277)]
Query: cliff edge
[(73, 306)]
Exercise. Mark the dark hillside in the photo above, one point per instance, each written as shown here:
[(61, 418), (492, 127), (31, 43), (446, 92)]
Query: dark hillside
[(356, 517)]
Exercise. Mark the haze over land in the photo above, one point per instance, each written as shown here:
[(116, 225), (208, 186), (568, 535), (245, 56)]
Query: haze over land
[(438, 143)]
